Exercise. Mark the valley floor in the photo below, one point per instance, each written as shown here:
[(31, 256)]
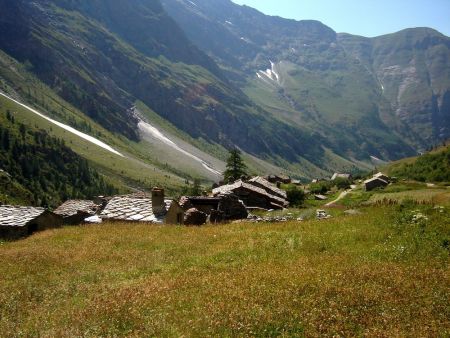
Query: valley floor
[(384, 272)]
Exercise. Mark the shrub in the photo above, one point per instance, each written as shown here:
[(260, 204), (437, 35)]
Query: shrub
[(320, 187), (295, 196), (342, 183)]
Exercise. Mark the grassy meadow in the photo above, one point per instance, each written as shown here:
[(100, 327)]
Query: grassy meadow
[(384, 273)]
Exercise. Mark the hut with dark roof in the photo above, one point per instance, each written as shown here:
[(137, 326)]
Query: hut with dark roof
[(374, 183), (270, 188)]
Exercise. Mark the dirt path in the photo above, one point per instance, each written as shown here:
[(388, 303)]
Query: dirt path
[(341, 196)]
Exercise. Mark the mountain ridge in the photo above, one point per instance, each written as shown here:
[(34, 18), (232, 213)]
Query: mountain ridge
[(321, 52)]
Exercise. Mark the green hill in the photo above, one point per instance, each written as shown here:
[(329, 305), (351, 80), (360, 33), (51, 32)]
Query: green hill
[(293, 96), (430, 167)]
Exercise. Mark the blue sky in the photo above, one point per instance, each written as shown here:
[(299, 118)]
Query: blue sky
[(362, 17)]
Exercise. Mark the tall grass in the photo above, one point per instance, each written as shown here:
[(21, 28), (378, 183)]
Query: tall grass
[(425, 196), (375, 274)]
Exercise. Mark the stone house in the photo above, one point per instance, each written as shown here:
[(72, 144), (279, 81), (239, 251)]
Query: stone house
[(218, 209), (270, 188), (74, 212), (278, 179), (137, 209), (374, 183), (382, 176), (252, 195), (17, 221)]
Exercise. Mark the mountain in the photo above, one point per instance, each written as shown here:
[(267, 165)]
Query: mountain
[(173, 84), (90, 54), (386, 96)]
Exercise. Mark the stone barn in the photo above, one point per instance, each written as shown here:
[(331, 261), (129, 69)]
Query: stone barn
[(74, 212), (383, 177), (253, 196), (270, 188), (374, 183), (218, 209), (135, 209), (17, 222)]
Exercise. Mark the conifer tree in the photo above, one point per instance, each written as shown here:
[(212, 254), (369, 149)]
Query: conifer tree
[(236, 167)]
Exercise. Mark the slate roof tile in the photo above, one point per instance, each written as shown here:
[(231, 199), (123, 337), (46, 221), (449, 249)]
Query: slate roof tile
[(18, 216), (73, 207)]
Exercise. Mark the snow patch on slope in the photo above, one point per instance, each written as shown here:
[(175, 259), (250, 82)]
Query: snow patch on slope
[(68, 128), (157, 134), (269, 73), (377, 160)]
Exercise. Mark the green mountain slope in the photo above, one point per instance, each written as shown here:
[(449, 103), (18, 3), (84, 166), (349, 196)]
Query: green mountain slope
[(384, 97), (433, 166), (412, 68), (41, 170), (173, 87), (93, 60)]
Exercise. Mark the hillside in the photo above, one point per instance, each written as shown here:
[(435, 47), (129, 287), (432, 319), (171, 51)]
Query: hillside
[(433, 166), (88, 56), (374, 274), (40, 170)]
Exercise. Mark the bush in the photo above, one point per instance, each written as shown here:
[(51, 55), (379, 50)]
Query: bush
[(295, 196), (342, 183), (320, 187)]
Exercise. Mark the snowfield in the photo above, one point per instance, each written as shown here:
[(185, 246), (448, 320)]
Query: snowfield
[(154, 132), (68, 128)]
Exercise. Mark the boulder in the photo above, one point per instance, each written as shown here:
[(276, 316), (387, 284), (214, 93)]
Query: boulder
[(194, 216), (232, 208)]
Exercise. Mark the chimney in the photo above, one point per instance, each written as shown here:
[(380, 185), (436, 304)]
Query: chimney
[(158, 204)]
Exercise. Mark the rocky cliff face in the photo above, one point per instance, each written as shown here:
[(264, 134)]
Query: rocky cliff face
[(413, 71)]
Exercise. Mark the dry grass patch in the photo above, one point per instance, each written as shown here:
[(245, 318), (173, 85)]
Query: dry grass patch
[(372, 274), (425, 196)]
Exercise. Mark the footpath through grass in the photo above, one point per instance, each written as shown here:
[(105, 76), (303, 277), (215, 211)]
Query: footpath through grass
[(382, 273)]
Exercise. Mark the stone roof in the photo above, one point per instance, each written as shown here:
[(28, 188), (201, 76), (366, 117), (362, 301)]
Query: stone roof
[(382, 176), (268, 186), (12, 216), (131, 209), (240, 184), (373, 179), (73, 207), (337, 175)]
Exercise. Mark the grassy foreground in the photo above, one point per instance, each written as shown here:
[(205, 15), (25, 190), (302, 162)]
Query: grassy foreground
[(382, 273)]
